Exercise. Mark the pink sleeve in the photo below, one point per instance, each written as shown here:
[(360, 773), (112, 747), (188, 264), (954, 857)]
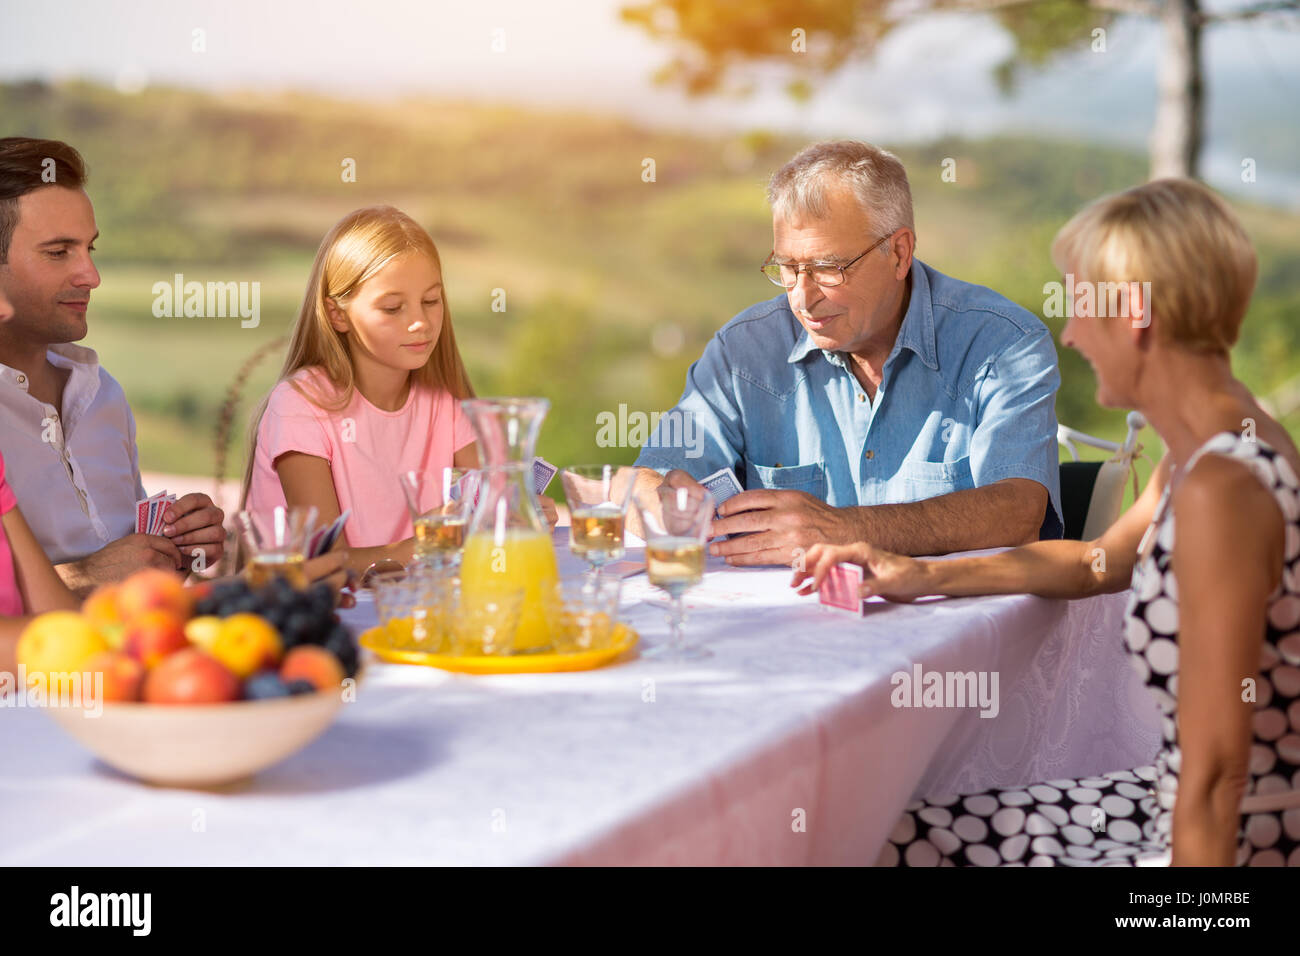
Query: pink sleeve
[(462, 433), (293, 423), (7, 499)]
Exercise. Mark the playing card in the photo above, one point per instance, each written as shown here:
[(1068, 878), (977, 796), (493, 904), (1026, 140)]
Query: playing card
[(543, 472), (722, 484), (323, 538), (839, 589), (149, 512)]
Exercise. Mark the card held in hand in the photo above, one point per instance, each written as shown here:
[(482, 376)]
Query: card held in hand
[(840, 589), (543, 472), (722, 484)]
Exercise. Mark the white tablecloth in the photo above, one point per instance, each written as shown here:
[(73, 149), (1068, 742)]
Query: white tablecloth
[(782, 748)]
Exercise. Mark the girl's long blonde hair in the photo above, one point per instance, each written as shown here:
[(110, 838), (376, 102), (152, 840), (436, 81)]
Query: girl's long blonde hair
[(358, 246)]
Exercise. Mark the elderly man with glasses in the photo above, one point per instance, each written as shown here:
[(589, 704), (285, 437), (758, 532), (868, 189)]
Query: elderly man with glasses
[(875, 399)]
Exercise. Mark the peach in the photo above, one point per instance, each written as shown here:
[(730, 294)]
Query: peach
[(123, 675), (153, 635), (101, 610), (58, 642), (247, 643), (313, 664), (190, 676), (153, 590)]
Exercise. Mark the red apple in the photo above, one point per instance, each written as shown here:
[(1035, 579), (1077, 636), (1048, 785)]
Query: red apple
[(190, 677)]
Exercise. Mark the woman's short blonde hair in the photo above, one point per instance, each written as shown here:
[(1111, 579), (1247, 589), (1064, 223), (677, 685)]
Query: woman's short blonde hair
[(1182, 238)]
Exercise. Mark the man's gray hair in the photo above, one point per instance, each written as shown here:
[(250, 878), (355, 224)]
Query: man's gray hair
[(876, 176)]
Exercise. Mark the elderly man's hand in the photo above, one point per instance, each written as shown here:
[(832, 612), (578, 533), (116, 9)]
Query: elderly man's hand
[(778, 527)]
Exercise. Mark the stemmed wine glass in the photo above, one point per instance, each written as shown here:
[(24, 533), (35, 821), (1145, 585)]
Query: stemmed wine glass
[(676, 524), (598, 497)]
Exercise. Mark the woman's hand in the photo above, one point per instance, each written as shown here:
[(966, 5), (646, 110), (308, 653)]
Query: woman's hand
[(892, 576)]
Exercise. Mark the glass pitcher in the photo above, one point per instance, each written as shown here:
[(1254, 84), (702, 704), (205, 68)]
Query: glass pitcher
[(508, 544)]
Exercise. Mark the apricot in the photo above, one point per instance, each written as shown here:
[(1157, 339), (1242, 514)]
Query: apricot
[(190, 676), (247, 643), (202, 631), (313, 664), (101, 610)]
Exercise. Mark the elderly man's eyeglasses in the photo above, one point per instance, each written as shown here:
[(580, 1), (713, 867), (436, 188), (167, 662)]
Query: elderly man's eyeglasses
[(825, 274)]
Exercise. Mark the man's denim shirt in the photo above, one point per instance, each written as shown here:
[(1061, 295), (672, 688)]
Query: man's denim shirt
[(967, 398)]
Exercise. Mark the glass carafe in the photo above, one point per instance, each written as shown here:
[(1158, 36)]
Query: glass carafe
[(508, 545)]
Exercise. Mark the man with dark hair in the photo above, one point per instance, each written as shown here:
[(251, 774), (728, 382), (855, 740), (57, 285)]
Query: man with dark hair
[(68, 435)]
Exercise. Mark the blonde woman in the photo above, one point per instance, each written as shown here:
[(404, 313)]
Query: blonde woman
[(370, 388), (1210, 551)]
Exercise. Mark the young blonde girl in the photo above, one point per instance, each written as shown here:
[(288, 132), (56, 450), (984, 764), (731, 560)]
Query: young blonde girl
[(370, 388)]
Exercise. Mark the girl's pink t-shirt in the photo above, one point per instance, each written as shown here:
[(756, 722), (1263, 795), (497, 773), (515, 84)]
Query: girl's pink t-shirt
[(367, 449), (11, 601)]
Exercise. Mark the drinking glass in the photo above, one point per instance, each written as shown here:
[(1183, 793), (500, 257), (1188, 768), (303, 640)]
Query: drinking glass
[(440, 503), (277, 544), (676, 523), (598, 497), (586, 613)]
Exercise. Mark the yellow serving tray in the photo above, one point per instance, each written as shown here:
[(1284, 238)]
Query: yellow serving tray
[(624, 639)]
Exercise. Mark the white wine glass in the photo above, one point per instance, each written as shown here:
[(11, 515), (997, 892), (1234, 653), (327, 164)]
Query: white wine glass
[(598, 498), (676, 523)]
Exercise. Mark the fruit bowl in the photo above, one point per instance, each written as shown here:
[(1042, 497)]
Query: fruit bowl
[(200, 746)]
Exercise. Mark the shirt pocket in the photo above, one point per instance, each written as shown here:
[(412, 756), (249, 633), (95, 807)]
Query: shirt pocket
[(916, 480), (810, 478)]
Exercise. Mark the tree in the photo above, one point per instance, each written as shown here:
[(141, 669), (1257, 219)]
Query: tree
[(715, 37)]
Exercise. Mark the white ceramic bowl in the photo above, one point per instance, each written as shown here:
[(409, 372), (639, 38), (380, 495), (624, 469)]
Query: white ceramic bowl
[(200, 746)]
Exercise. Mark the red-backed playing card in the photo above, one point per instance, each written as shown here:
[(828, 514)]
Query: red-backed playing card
[(840, 588)]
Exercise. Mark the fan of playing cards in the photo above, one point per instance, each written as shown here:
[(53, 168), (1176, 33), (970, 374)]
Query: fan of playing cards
[(149, 512)]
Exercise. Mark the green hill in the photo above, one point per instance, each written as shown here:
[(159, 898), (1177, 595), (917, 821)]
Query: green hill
[(612, 284)]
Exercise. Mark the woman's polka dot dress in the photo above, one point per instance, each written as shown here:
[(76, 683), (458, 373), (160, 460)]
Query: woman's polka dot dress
[(1118, 818)]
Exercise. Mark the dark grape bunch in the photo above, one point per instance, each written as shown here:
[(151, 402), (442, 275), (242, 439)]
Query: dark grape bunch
[(301, 617)]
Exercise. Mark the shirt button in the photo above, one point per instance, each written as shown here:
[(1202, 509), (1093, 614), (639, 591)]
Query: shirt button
[(862, 397), (22, 379), (870, 454)]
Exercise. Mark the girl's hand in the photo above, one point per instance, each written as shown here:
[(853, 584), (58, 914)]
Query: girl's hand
[(549, 511), (892, 576)]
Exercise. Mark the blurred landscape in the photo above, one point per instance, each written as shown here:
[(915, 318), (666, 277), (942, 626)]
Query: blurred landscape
[(612, 285)]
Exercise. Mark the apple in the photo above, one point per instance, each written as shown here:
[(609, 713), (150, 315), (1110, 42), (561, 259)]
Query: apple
[(190, 676), (153, 635)]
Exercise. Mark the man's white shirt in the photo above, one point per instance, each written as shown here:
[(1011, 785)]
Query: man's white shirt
[(75, 470)]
